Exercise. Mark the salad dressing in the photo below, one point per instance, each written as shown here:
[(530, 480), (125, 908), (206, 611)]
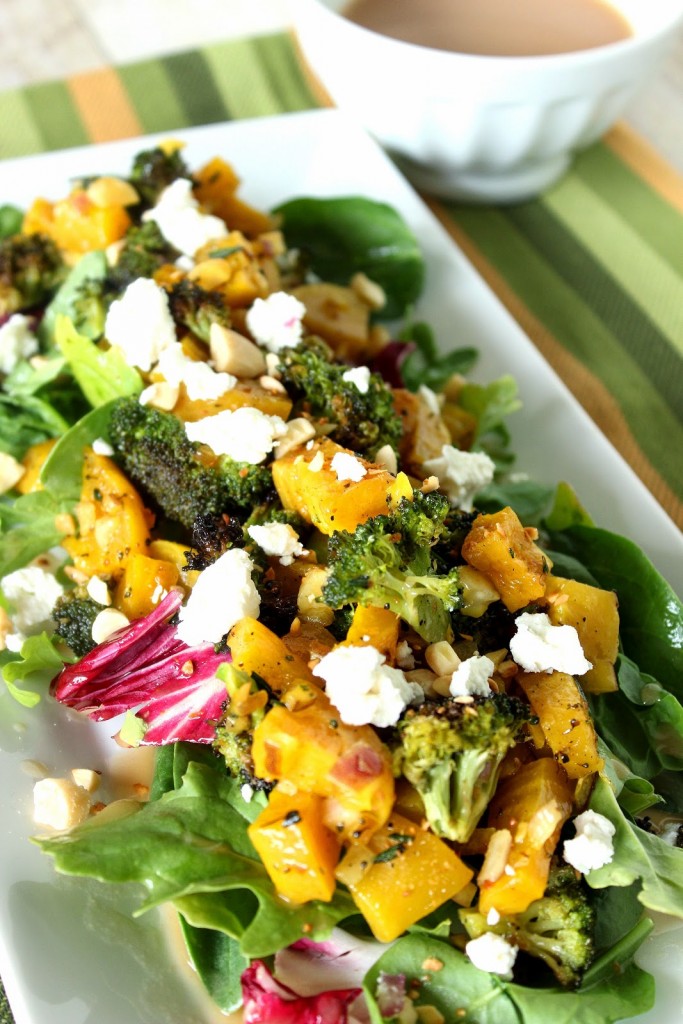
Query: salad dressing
[(503, 28)]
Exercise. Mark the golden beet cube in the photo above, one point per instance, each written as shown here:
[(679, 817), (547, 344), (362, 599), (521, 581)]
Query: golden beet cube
[(594, 614), (504, 551), (564, 719)]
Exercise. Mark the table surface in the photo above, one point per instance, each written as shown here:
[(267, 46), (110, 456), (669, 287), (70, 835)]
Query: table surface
[(42, 40)]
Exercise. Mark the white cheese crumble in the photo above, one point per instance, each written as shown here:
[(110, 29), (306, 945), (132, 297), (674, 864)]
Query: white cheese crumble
[(247, 792), (539, 646), (180, 220), (359, 376), (31, 593), (493, 917), (472, 677), (348, 467), (98, 590), (275, 322), (278, 539), (592, 846), (461, 474), (200, 380), (17, 342), (140, 323), (102, 447), (492, 953), (244, 434), (60, 803), (223, 594), (363, 688)]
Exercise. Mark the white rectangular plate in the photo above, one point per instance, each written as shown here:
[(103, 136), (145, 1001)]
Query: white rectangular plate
[(70, 953)]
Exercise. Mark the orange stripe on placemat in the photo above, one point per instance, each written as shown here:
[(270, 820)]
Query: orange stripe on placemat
[(103, 105), (596, 399), (647, 163)]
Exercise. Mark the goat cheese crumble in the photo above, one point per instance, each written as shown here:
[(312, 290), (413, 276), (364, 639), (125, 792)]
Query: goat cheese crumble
[(461, 474), (278, 539), (275, 322), (180, 220), (472, 677), (32, 593), (348, 467), (223, 594), (140, 323), (200, 380), (363, 688), (539, 646), (492, 953), (244, 434), (592, 846), (359, 376), (17, 342)]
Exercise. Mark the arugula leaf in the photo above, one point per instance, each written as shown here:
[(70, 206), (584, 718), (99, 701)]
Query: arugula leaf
[(29, 529), (638, 856), (426, 365), (342, 236), (102, 374), (91, 266), (459, 991)]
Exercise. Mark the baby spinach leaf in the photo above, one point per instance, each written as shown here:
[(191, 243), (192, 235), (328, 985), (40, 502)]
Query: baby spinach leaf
[(63, 470), (102, 374), (217, 959), (638, 856), (528, 499), (25, 420), (341, 236), (11, 219)]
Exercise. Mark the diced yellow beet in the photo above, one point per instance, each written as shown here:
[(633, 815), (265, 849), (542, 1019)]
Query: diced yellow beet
[(594, 614), (255, 649), (336, 314), (245, 392), (312, 749), (377, 627), (298, 852), (145, 581), (412, 873), (33, 462), (531, 806), (113, 522), (500, 547), (320, 497), (172, 551), (565, 720)]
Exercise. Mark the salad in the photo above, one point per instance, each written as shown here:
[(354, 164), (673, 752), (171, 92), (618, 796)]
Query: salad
[(417, 738)]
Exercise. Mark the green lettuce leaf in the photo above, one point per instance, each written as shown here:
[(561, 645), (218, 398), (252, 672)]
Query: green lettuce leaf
[(37, 663), (102, 374), (91, 267), (27, 528)]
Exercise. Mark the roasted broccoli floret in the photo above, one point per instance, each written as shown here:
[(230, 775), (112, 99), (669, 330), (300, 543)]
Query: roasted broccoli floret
[(557, 928), (74, 614), (211, 537), (144, 250), (363, 420), (153, 450), (451, 752), (247, 706), (154, 169), (386, 562), (31, 269), (197, 309)]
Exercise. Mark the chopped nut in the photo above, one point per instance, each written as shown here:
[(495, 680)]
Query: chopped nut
[(232, 353), (496, 857), (59, 803), (298, 432), (272, 384), (65, 524), (369, 292), (11, 472), (107, 622), (86, 778), (430, 484), (386, 458), (430, 1015), (441, 658), (161, 395), (99, 591), (432, 963), (317, 462)]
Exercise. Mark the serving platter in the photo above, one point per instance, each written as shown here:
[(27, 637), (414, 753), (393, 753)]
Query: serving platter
[(70, 951)]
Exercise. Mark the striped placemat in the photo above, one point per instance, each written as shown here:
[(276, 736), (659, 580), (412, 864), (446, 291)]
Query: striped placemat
[(593, 271)]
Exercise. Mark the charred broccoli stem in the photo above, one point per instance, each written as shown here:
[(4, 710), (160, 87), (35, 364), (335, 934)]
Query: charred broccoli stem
[(196, 309), (451, 752), (154, 169), (31, 269), (364, 421)]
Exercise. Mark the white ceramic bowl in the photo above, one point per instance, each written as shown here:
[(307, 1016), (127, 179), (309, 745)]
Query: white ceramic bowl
[(481, 128)]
